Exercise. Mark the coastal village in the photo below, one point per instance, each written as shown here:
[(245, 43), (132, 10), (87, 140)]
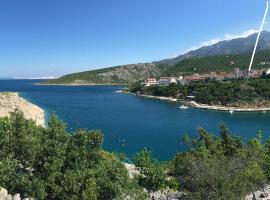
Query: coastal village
[(218, 76)]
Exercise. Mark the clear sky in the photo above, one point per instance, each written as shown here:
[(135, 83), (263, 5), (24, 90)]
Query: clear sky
[(40, 38)]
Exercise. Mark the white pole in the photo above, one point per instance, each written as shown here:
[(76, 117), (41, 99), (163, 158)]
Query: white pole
[(258, 37)]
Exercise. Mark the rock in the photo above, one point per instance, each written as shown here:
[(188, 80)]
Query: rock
[(17, 197), (263, 195), (3, 193), (5, 196), (167, 195)]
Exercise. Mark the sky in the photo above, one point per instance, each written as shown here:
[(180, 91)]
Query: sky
[(50, 38)]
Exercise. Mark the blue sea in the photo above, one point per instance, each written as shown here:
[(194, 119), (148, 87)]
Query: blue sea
[(130, 123)]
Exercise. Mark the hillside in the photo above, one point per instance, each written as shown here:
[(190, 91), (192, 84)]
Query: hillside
[(219, 63), (126, 74), (224, 56)]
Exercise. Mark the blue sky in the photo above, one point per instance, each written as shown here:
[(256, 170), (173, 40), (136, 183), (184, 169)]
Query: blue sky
[(40, 38)]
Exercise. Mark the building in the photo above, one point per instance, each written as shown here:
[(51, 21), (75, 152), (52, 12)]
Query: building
[(164, 81), (150, 82)]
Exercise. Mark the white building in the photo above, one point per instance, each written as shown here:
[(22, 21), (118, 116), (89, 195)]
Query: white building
[(165, 81), (150, 82)]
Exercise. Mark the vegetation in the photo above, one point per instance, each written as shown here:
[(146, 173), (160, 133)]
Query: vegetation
[(223, 167), (236, 93), (119, 75), (243, 93), (49, 163), (167, 91), (153, 174), (225, 63)]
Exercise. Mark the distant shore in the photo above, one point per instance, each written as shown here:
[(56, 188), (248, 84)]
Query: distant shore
[(194, 104), (78, 84), (9, 101)]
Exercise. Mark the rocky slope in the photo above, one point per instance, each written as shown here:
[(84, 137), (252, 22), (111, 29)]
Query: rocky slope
[(11, 101), (116, 75)]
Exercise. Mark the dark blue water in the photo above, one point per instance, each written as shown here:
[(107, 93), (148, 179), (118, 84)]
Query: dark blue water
[(131, 123)]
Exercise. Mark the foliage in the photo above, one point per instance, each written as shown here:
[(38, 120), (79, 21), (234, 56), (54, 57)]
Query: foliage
[(235, 93), (221, 167), (217, 63), (153, 174), (49, 163), (254, 92)]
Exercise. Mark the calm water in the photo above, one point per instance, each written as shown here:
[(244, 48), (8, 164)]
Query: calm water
[(131, 123)]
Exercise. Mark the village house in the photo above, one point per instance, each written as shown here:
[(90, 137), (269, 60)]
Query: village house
[(150, 82), (165, 81)]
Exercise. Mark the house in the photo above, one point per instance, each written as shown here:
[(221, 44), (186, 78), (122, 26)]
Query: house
[(150, 82), (165, 81)]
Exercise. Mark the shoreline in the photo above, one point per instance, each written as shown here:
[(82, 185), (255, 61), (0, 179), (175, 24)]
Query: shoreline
[(9, 101), (224, 108), (194, 104), (78, 84)]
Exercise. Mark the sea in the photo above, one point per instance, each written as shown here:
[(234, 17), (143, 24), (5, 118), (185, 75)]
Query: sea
[(131, 123)]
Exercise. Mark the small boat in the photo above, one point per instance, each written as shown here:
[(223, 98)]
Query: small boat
[(231, 111), (183, 107)]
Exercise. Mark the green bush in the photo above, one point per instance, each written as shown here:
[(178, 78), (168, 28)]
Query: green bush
[(49, 163)]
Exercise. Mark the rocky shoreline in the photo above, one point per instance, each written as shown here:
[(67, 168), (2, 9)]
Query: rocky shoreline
[(9, 101), (223, 108), (203, 106)]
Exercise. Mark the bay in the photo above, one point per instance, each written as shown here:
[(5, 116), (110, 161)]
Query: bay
[(130, 123)]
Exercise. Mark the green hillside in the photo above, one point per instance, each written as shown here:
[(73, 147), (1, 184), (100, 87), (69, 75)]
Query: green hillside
[(126, 74), (219, 63), (129, 74)]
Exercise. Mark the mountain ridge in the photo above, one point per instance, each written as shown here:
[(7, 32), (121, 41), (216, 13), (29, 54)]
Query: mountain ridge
[(131, 73)]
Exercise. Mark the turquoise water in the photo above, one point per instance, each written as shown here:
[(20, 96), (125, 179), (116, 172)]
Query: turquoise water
[(130, 123)]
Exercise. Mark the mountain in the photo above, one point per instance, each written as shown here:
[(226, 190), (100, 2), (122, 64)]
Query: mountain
[(226, 47), (219, 63), (215, 59)]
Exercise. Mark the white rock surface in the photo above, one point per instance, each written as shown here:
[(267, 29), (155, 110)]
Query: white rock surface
[(263, 194), (9, 101), (4, 195)]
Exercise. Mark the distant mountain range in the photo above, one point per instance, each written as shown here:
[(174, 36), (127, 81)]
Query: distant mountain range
[(226, 47), (220, 56)]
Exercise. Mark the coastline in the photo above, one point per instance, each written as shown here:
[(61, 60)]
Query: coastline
[(78, 84), (194, 104), (9, 101)]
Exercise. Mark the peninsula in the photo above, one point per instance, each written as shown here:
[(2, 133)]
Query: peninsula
[(9, 101), (240, 94)]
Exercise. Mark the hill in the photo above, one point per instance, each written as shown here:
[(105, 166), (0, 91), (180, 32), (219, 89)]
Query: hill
[(219, 63), (125, 74), (224, 55)]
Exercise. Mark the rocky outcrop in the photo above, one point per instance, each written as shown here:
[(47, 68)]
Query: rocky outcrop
[(119, 75), (4, 195), (167, 195), (9, 101), (263, 194)]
